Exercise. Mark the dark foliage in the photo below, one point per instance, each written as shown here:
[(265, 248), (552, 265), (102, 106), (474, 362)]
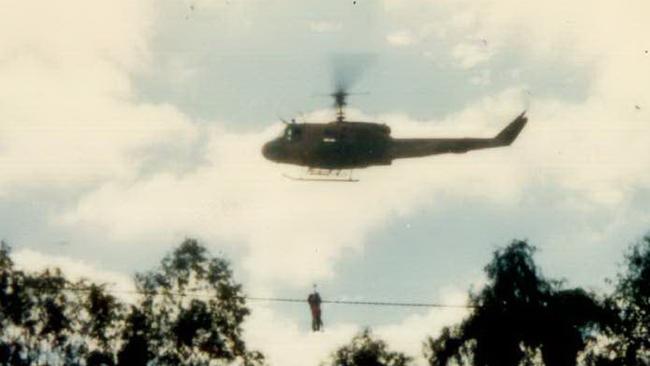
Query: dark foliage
[(190, 313), (519, 314), (633, 298), (136, 334), (629, 335), (36, 316), (365, 350)]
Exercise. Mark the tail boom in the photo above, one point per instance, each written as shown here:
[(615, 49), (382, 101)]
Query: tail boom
[(412, 148)]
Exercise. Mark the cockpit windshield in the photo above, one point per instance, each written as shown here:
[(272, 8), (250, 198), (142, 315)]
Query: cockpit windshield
[(292, 133)]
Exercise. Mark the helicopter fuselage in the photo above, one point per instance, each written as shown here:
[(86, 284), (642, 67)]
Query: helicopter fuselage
[(348, 145), (333, 145)]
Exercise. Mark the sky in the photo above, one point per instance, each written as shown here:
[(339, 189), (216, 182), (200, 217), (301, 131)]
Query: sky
[(126, 127)]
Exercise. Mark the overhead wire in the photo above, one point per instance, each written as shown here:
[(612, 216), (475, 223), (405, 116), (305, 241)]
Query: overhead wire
[(203, 293), (371, 303)]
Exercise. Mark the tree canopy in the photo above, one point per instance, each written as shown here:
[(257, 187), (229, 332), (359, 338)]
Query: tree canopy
[(190, 312), (519, 316), (627, 341), (366, 350), (43, 322)]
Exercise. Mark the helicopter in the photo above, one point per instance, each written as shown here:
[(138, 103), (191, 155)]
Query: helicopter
[(328, 150)]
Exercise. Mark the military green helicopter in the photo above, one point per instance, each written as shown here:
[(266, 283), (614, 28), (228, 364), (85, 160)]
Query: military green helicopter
[(331, 151)]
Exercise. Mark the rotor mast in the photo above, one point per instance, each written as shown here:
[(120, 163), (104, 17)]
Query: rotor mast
[(339, 104)]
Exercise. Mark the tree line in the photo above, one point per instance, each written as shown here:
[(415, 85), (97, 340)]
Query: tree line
[(45, 319), (519, 317)]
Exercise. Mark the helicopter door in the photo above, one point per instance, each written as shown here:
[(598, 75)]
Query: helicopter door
[(337, 144)]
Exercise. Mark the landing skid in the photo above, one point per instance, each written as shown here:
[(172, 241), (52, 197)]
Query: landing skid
[(324, 175)]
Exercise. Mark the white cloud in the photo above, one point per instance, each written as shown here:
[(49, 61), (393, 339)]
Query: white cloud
[(238, 197), (285, 343), (401, 38), (75, 33), (409, 335), (594, 147), (75, 122), (67, 113), (482, 78), (471, 54), (324, 26), (241, 198), (119, 284)]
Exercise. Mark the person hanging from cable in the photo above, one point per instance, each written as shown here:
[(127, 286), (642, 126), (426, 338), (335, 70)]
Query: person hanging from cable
[(314, 301)]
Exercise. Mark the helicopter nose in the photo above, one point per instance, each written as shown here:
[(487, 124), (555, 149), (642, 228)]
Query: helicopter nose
[(269, 151)]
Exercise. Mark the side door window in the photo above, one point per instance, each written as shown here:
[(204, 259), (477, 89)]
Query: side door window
[(331, 135)]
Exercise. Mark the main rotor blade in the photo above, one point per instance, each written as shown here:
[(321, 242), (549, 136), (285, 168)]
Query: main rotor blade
[(348, 68)]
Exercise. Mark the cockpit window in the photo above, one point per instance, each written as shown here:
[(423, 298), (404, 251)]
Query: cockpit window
[(292, 133)]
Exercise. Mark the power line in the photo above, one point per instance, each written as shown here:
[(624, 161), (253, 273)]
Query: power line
[(203, 293), (371, 303)]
